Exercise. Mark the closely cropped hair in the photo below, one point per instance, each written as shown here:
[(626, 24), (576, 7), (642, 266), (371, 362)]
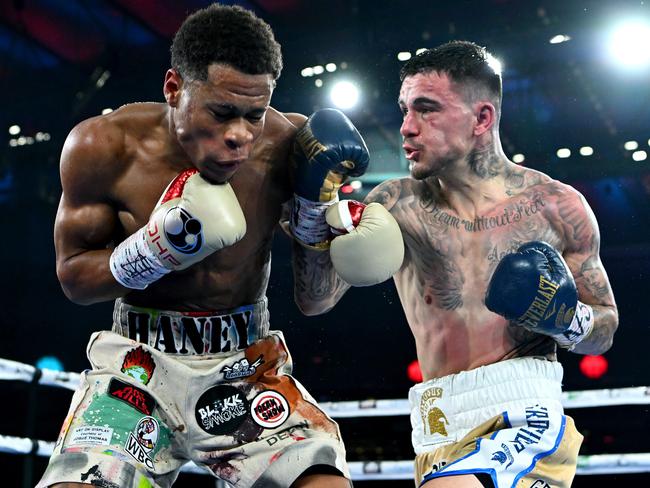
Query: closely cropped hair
[(225, 34), (467, 64)]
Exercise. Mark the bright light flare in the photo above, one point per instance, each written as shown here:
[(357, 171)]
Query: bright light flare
[(628, 44), (344, 94)]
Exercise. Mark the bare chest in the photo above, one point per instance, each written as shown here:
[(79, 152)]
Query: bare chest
[(452, 258)]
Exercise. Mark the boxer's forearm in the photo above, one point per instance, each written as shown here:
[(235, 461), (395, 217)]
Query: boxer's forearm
[(601, 336), (86, 278), (317, 287)]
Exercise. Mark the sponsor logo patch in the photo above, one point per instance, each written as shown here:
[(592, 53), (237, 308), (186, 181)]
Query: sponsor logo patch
[(241, 368), (221, 409), (139, 365), (269, 409), (137, 398)]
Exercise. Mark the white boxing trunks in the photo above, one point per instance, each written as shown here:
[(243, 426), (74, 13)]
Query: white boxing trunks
[(503, 423), (214, 388)]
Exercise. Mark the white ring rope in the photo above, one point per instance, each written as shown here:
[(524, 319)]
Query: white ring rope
[(13, 370), (636, 395), (369, 470), (381, 470)]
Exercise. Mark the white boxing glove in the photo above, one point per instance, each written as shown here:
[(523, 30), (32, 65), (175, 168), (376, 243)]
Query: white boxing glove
[(192, 219), (369, 247)]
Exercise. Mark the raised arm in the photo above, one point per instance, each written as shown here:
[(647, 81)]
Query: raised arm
[(86, 221), (582, 254), (339, 244)]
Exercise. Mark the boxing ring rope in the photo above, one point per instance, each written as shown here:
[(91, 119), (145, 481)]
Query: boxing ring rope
[(367, 470)]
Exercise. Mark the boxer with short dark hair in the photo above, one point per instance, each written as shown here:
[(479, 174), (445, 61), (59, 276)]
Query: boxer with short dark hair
[(501, 266), (170, 210)]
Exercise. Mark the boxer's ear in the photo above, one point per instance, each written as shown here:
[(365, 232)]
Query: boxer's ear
[(486, 117), (172, 87)]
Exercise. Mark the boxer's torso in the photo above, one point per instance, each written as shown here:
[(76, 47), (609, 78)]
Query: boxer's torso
[(450, 259), (232, 276)]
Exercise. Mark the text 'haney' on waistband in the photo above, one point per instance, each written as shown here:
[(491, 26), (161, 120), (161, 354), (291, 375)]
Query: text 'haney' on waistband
[(193, 333)]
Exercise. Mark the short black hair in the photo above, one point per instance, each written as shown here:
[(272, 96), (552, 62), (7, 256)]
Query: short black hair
[(467, 64), (228, 35)]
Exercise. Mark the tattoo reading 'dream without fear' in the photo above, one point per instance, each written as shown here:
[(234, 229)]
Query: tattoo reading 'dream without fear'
[(511, 214)]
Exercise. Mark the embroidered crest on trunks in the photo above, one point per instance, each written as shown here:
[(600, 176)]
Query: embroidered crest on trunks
[(269, 409), (139, 365), (241, 368), (221, 409), (433, 419)]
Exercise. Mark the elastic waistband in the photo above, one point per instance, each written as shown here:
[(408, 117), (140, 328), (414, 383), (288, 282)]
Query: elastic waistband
[(444, 409), (193, 333)]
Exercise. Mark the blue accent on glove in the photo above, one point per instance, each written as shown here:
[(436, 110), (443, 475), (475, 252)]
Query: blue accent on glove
[(533, 287), (327, 143)]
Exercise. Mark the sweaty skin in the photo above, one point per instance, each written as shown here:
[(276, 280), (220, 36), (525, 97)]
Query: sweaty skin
[(449, 261), (464, 207), (115, 167)]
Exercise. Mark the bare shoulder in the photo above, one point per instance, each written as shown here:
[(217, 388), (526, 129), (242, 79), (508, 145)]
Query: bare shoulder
[(390, 192), (566, 210), (92, 157), (282, 126)]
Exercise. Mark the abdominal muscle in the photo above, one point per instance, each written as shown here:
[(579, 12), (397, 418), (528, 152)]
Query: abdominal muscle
[(451, 341)]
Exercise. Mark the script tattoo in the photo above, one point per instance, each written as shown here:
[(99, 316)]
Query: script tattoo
[(511, 214)]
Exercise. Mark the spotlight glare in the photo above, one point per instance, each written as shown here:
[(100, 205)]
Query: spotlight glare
[(107, 111), (560, 38), (518, 158), (14, 130), (344, 94), (330, 67), (356, 184), (318, 82), (586, 151), (628, 44), (13, 142), (631, 145), (404, 56), (563, 153), (639, 155), (318, 69), (495, 64), (306, 72)]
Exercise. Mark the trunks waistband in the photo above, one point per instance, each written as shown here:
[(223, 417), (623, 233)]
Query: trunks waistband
[(445, 409), (193, 333)]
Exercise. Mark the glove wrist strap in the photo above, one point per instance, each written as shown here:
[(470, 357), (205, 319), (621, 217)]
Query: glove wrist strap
[(581, 325), (308, 223), (134, 265)]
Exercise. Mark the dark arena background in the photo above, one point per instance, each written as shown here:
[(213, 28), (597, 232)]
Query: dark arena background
[(576, 106)]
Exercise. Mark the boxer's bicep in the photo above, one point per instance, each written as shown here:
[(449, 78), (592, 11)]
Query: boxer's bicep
[(582, 254), (85, 222)]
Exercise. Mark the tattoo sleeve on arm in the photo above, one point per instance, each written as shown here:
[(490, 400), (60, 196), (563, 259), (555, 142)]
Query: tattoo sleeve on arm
[(582, 250), (317, 287)]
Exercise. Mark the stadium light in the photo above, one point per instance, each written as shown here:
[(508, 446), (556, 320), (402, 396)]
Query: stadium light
[(628, 44), (344, 94)]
